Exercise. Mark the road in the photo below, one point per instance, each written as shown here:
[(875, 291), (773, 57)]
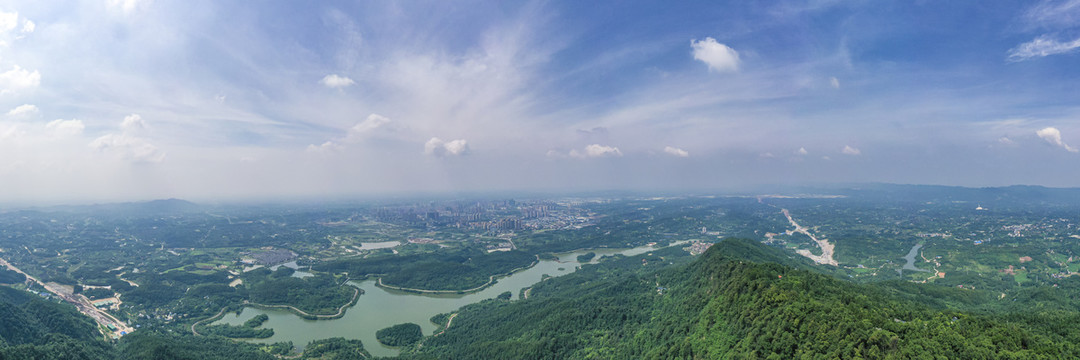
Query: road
[(196, 332), (448, 321), (80, 302), (340, 311)]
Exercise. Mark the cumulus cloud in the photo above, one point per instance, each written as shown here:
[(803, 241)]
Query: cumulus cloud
[(368, 125), (457, 147), (8, 21), (801, 152), (336, 81), (1042, 46), (23, 110), (438, 147), (1005, 140), (17, 79), (717, 56), (1053, 136), (326, 148), (128, 147), (596, 151), (66, 127), (371, 126), (674, 151), (132, 123), (848, 150)]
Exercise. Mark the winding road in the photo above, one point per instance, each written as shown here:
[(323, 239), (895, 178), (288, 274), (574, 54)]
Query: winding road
[(491, 280), (341, 310), (448, 321)]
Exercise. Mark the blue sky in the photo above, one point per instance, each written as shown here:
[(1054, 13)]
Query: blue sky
[(210, 100)]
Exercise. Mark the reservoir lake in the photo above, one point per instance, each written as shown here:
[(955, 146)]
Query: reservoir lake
[(378, 308)]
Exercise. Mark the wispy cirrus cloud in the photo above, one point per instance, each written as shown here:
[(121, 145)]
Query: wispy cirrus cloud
[(1053, 14), (1042, 46)]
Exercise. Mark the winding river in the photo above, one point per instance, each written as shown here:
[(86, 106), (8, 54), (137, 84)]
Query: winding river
[(378, 308)]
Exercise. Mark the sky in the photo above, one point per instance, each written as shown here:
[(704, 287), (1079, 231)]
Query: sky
[(119, 100)]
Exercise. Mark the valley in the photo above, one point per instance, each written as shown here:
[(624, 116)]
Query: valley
[(318, 274)]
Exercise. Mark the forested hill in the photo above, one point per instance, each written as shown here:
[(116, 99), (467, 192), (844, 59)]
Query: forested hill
[(34, 328), (734, 301)]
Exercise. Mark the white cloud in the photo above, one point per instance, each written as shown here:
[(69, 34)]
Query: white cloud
[(1053, 136), (596, 151), (8, 21), (132, 123), (126, 6), (326, 148), (1040, 47), (718, 56), (801, 152), (1054, 14), (457, 147), (23, 110), (17, 79), (28, 26), (848, 150), (676, 151), (1005, 140), (370, 124), (438, 147), (66, 127), (834, 82), (433, 146), (12, 133), (128, 147), (335, 81)]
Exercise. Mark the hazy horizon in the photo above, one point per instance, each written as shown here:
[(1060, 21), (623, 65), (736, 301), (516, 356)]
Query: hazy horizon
[(128, 100)]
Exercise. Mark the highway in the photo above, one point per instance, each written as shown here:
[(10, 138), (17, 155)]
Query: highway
[(80, 302)]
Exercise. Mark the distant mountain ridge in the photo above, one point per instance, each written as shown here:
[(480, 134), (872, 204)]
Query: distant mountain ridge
[(945, 193), (140, 208)]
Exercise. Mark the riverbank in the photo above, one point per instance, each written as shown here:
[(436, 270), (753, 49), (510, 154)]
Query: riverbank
[(306, 315), (490, 282)]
